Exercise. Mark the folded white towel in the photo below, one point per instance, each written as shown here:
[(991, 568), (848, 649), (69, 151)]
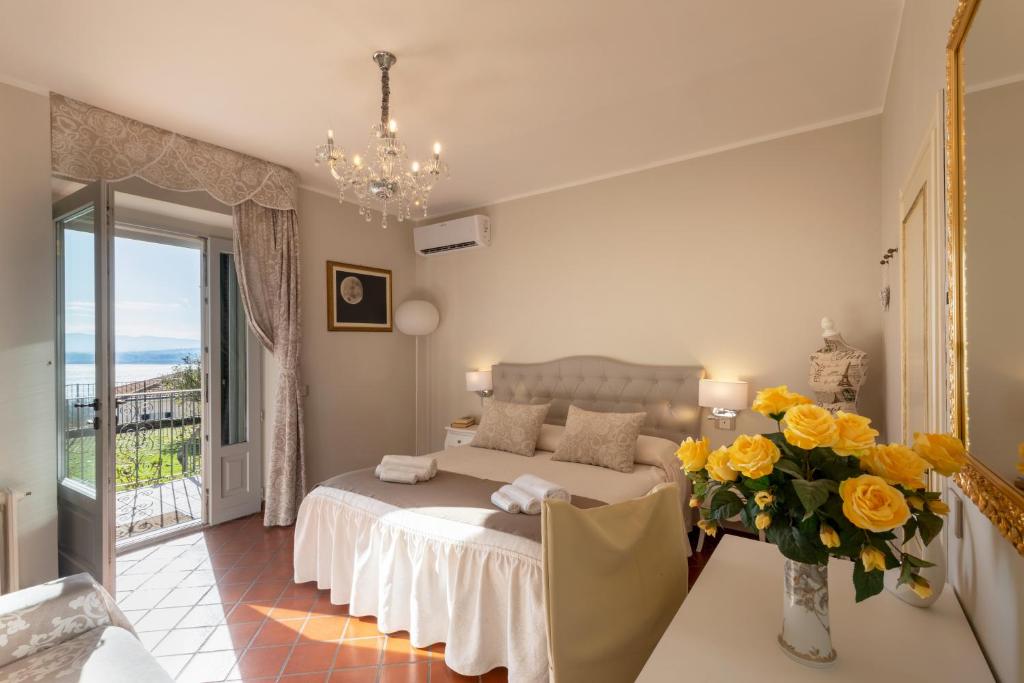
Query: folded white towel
[(397, 475), (528, 504), (504, 501), (420, 474), (421, 463), (541, 488)]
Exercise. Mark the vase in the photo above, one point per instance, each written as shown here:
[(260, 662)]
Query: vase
[(935, 553), (805, 634)]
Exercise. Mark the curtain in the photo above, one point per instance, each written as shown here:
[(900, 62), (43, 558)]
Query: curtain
[(267, 261), (88, 143)]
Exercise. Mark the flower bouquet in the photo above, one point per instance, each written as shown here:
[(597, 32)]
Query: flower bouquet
[(820, 486)]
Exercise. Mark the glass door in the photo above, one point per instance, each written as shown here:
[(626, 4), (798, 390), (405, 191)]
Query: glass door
[(84, 393), (235, 474)]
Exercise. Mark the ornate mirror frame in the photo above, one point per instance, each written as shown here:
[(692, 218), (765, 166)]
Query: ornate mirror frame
[(999, 500)]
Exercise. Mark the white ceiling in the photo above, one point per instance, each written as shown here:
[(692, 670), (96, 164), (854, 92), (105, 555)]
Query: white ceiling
[(526, 96)]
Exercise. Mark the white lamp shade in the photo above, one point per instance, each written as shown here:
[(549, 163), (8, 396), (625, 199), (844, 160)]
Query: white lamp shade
[(478, 380), (417, 318), (728, 394)]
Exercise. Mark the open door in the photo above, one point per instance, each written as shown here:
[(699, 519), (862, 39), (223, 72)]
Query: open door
[(234, 478), (85, 537)]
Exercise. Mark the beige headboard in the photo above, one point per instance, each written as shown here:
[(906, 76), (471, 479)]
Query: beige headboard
[(667, 393)]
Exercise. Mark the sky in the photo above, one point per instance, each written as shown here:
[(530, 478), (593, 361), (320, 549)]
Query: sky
[(157, 288)]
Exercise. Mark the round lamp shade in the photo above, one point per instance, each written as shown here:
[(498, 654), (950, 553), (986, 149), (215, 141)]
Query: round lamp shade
[(417, 318)]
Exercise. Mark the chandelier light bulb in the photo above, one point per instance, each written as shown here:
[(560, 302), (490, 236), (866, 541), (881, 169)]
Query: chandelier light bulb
[(437, 149), (393, 126), (415, 167), (330, 135), (357, 160)]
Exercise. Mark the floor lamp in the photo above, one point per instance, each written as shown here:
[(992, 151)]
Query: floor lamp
[(417, 318)]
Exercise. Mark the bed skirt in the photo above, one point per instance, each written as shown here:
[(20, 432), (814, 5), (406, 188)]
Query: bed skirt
[(471, 588)]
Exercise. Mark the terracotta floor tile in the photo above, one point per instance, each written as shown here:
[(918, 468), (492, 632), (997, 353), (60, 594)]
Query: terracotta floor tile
[(305, 678), (301, 590), (241, 574), (398, 650), (263, 590), (231, 592), (324, 629), (353, 676), (184, 597), (173, 664), (160, 619), (278, 632), (205, 615), (182, 641), (310, 658), (219, 560), (261, 661), (361, 627), (235, 637), (208, 666), (405, 673), (292, 608), (359, 652), (249, 611)]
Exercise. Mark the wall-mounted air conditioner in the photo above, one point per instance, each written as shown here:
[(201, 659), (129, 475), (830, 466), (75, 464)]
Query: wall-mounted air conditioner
[(457, 234)]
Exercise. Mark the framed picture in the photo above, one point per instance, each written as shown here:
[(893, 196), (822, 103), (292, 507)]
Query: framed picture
[(358, 298)]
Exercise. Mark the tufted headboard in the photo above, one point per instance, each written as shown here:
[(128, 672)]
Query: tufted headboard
[(667, 393)]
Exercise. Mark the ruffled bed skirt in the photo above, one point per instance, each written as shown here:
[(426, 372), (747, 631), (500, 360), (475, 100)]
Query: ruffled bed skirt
[(478, 591)]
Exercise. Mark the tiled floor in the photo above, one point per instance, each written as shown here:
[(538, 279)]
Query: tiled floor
[(220, 605), (152, 507)]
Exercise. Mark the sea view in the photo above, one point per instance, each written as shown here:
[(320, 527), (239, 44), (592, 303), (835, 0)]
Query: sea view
[(85, 373)]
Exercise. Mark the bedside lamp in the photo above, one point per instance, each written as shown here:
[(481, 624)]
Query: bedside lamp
[(480, 382), (725, 398)]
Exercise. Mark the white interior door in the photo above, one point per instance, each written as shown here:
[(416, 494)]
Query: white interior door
[(234, 481), (85, 397)]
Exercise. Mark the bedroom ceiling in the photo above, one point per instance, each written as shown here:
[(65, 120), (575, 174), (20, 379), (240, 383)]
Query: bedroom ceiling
[(526, 96)]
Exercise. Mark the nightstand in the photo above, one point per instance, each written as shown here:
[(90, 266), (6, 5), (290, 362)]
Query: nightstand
[(458, 437)]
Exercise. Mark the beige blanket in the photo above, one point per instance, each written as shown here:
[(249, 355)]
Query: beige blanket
[(451, 496)]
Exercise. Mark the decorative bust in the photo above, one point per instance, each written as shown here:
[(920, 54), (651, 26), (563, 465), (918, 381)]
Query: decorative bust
[(838, 371)]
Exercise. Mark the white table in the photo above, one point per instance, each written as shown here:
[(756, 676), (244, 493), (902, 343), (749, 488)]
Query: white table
[(455, 436), (726, 629)]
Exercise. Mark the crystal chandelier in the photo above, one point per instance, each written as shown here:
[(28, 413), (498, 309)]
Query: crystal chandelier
[(383, 178)]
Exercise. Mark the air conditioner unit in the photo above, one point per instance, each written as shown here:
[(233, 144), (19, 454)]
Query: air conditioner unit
[(470, 232)]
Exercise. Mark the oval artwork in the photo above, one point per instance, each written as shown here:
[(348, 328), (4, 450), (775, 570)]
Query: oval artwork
[(351, 290)]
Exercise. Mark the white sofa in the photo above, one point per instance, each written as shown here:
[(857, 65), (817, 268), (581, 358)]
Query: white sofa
[(70, 630)]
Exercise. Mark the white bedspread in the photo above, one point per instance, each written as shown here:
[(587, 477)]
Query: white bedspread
[(477, 590)]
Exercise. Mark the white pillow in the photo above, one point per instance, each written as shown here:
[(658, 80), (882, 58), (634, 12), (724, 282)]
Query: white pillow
[(550, 437), (653, 450)]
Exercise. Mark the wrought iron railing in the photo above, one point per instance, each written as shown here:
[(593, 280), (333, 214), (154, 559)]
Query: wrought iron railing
[(158, 436)]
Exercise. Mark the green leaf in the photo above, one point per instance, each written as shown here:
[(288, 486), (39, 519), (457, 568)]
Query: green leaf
[(790, 467), (916, 562), (909, 529), (725, 504), (813, 494), (866, 583), (929, 525), (906, 572), (795, 545), (748, 515), (760, 484)]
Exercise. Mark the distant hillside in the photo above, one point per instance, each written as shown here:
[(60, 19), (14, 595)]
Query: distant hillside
[(83, 343), (162, 357)]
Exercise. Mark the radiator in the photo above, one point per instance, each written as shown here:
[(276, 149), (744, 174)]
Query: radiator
[(9, 580)]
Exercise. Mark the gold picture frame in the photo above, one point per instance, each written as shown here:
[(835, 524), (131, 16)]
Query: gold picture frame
[(371, 312), (999, 500)]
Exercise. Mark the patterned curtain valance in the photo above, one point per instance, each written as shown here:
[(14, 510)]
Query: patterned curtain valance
[(89, 143)]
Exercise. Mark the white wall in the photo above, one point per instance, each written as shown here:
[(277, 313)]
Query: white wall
[(728, 261), (28, 460), (985, 570), (360, 402)]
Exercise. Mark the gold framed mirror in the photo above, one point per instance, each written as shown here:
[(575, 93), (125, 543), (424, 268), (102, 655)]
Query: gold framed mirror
[(982, 328)]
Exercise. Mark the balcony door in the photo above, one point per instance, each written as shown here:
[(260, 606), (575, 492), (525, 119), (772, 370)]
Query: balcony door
[(85, 414), (235, 466)]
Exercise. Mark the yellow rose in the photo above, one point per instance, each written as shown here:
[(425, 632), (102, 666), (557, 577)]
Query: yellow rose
[(694, 502), (693, 454), (718, 466), (870, 503), (763, 521), (753, 456), (855, 434), (763, 499), (709, 528), (938, 507), (773, 402), (920, 585), (829, 537), (945, 453), (873, 559), (897, 464), (810, 426)]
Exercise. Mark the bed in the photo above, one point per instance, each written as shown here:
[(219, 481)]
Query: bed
[(451, 568)]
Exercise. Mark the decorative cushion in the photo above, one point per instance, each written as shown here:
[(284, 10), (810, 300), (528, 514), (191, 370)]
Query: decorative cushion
[(602, 439), (512, 427)]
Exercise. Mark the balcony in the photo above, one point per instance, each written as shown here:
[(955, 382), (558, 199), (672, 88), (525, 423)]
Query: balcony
[(158, 453)]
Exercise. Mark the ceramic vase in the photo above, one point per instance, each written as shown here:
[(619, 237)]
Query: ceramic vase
[(935, 553), (805, 634)]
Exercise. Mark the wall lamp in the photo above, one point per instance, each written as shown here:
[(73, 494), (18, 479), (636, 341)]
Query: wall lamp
[(480, 382), (725, 398)]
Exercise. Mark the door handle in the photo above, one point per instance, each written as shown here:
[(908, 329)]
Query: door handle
[(94, 404), (94, 422)]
